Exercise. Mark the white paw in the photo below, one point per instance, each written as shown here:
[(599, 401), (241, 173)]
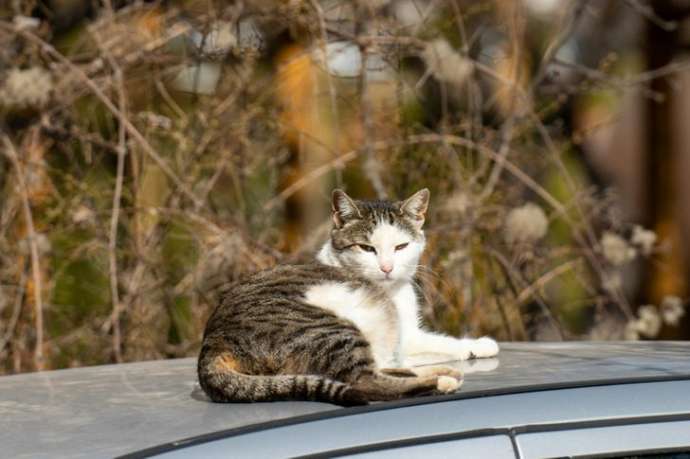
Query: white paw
[(484, 347), (447, 384)]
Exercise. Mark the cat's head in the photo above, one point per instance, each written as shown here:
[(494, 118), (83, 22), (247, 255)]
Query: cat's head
[(381, 240)]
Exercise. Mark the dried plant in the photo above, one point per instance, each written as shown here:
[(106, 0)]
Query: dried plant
[(153, 152)]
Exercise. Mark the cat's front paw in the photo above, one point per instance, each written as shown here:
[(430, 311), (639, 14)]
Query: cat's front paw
[(484, 347)]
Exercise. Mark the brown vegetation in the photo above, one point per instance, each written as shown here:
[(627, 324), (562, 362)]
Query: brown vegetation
[(153, 151)]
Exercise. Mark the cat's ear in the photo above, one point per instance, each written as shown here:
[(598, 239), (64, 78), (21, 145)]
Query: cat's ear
[(415, 207), (344, 208)]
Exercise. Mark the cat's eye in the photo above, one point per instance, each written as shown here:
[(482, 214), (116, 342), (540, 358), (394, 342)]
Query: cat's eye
[(367, 248), (401, 246)]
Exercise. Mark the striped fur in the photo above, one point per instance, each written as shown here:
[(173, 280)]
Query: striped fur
[(270, 340), (264, 343)]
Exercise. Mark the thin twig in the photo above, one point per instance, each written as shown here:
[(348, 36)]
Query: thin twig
[(647, 11), (510, 274), (420, 139), (11, 153), (335, 121), (544, 279), (372, 167), (112, 236), (507, 136), (98, 92), (574, 17), (314, 174), (15, 311)]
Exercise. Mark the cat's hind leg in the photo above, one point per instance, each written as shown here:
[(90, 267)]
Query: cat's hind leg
[(373, 384), (381, 387), (431, 370), (399, 372), (438, 370)]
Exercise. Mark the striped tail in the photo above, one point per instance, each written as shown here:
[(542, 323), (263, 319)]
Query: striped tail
[(224, 384)]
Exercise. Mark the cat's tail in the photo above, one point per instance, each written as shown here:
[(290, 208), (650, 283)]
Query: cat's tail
[(222, 381)]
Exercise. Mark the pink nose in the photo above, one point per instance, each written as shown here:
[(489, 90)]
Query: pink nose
[(386, 268)]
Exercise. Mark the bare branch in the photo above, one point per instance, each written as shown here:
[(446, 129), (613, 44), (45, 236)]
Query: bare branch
[(11, 154), (98, 92), (112, 236)]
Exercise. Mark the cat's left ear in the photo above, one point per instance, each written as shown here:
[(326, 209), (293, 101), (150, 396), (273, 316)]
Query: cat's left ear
[(415, 207)]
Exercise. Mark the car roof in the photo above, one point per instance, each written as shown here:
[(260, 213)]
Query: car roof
[(115, 409)]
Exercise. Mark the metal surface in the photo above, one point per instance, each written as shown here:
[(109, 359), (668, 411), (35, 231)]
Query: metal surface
[(481, 415), (109, 410), (606, 440), (493, 446)]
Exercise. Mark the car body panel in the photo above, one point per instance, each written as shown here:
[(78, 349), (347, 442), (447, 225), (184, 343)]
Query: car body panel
[(109, 410), (115, 409), (637, 438), (479, 414)]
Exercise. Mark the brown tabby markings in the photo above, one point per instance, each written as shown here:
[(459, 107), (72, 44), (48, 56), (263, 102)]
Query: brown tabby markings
[(264, 342)]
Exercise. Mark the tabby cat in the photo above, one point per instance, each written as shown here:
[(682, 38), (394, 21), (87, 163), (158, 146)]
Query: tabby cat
[(339, 329)]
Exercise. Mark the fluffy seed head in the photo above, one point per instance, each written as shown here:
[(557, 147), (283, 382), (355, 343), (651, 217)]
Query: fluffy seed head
[(630, 333), (42, 244), (644, 239), (445, 63), (612, 281), (30, 88), (649, 322), (616, 250), (672, 310), (527, 223)]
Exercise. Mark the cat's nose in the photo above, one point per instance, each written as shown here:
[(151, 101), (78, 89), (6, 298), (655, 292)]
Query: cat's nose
[(386, 268)]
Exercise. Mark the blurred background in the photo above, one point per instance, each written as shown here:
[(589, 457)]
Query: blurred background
[(152, 152)]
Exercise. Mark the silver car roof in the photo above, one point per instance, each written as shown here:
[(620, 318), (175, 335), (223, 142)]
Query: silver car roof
[(109, 410)]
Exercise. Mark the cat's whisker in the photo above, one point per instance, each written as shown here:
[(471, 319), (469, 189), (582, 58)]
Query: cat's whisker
[(424, 269)]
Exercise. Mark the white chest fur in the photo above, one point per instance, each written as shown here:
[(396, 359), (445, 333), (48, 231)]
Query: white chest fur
[(377, 320), (405, 300)]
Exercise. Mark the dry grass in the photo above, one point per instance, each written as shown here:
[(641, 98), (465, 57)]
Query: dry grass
[(164, 151)]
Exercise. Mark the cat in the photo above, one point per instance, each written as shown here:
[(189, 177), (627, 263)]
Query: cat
[(337, 330)]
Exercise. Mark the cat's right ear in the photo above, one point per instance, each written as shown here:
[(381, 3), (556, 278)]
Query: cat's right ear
[(344, 208), (415, 207)]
